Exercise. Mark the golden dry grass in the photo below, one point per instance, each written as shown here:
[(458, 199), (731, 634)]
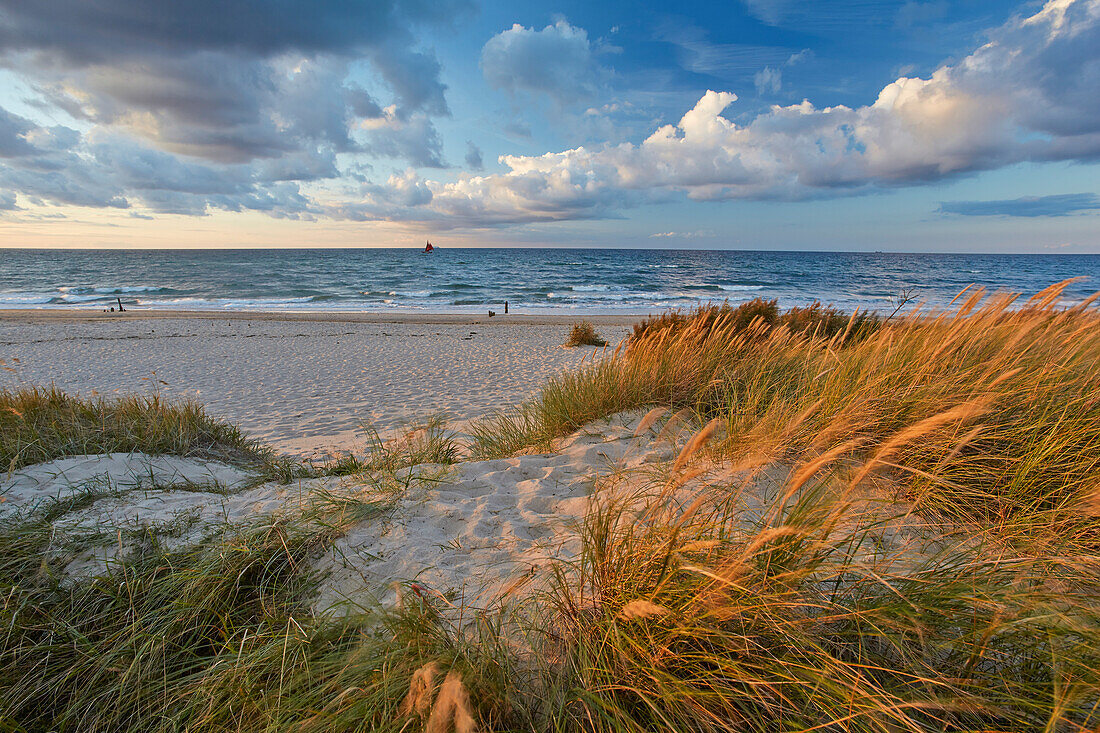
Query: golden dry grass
[(871, 529)]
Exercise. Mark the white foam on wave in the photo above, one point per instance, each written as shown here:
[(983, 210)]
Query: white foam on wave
[(740, 288), (207, 303), (71, 298)]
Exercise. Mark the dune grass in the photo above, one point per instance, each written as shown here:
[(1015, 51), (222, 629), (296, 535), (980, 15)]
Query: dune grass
[(423, 442), (720, 622), (1003, 396), (584, 334), (41, 424), (924, 560), (816, 318)]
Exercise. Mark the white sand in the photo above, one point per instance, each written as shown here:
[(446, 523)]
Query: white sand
[(298, 382), (485, 524), (115, 472)]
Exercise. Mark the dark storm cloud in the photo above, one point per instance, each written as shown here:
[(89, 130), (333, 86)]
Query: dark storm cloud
[(214, 104), (81, 33)]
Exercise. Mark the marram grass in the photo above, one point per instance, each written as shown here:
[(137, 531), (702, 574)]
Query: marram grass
[(41, 424), (924, 559), (584, 334), (1005, 393)]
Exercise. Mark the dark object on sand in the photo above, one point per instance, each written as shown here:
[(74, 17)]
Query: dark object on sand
[(506, 307), (492, 313), (120, 308)]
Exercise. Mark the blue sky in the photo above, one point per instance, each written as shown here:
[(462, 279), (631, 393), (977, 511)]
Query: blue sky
[(755, 124)]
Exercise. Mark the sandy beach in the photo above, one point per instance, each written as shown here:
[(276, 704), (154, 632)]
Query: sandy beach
[(302, 382)]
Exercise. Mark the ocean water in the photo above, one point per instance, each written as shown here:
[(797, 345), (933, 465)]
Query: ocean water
[(531, 280)]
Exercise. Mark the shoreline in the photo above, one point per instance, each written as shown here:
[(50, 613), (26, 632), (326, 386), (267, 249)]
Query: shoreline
[(27, 315)]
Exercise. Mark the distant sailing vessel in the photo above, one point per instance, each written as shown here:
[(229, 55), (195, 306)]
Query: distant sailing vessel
[(428, 247)]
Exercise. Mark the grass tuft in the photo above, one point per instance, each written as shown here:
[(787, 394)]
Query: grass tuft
[(423, 443), (584, 334), (41, 424)]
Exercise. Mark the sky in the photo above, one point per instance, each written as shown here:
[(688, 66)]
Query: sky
[(852, 125)]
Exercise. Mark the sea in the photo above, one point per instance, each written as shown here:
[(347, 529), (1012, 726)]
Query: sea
[(535, 281)]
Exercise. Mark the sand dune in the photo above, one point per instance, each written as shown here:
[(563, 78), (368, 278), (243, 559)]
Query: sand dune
[(464, 532), (466, 528)]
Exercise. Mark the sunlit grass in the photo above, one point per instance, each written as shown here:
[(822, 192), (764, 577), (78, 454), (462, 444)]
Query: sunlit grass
[(1006, 400), (883, 526)]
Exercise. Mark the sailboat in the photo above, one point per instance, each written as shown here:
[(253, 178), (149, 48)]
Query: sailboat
[(428, 248)]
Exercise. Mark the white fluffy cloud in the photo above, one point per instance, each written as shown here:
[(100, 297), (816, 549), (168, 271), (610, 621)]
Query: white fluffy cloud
[(557, 61), (1028, 94)]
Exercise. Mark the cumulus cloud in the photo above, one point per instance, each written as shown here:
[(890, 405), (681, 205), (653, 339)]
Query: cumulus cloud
[(281, 115), (557, 61), (412, 138), (13, 135), (1027, 206), (1026, 95), (103, 170)]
